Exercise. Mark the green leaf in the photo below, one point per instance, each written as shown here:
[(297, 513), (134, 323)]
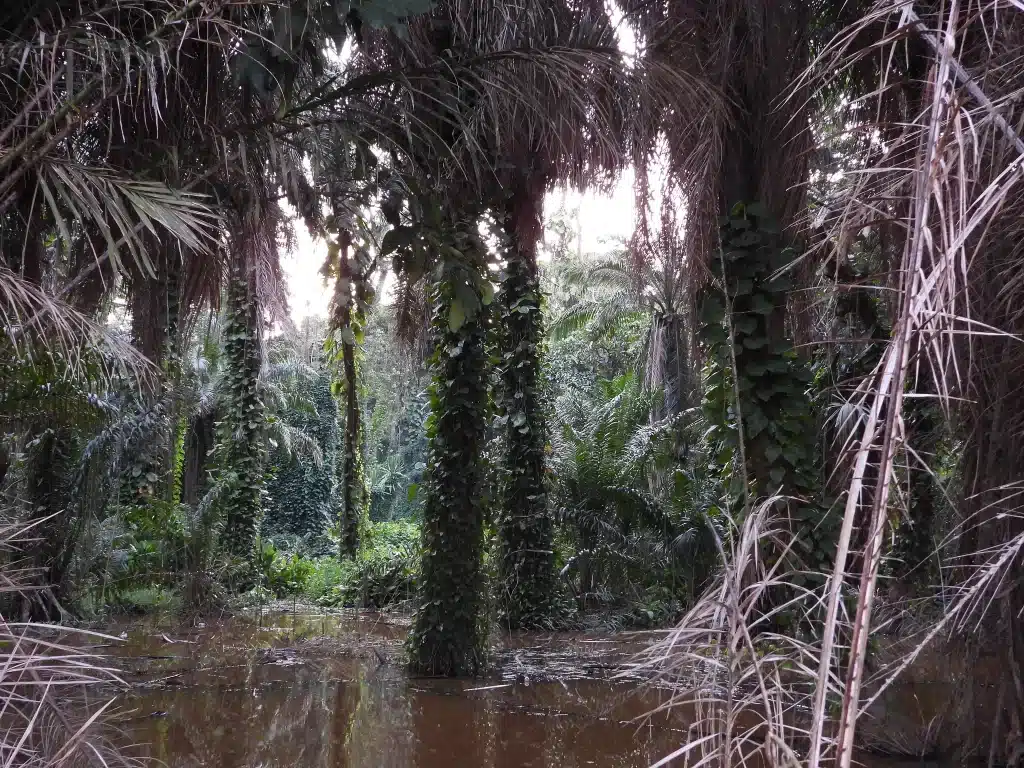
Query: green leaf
[(745, 324), (761, 305), (712, 311), (399, 237), (411, 493), (714, 334), (742, 287), (777, 475), (486, 292), (456, 316), (745, 239)]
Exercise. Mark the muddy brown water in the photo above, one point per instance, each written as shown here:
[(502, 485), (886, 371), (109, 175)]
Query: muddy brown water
[(303, 690), (306, 691)]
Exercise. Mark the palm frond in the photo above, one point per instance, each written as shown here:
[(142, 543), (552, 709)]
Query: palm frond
[(124, 209), (35, 319), (294, 442)]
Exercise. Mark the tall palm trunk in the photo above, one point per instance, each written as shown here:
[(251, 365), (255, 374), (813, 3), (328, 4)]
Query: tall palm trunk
[(670, 335), (525, 526), (447, 636), (761, 180), (353, 477), (347, 318), (241, 449), (156, 307)]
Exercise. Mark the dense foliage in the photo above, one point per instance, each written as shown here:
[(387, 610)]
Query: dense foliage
[(796, 378)]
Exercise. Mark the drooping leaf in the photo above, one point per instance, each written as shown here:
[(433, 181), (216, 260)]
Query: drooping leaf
[(456, 315)]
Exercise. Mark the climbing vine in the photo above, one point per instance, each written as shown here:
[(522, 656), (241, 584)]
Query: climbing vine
[(525, 527), (239, 453), (757, 396), (448, 633), (353, 296), (301, 491)]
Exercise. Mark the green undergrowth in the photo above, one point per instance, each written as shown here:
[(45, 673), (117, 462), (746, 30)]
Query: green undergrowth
[(382, 574), (137, 601)]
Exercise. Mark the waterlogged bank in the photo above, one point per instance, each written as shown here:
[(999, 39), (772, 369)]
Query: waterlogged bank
[(306, 691)]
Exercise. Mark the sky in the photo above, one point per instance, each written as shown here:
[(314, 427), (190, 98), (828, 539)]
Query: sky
[(601, 216)]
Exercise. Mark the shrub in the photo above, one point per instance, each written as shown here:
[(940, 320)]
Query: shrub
[(284, 574), (327, 574), (383, 573)]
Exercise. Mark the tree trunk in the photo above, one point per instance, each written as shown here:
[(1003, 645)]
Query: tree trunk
[(446, 638), (354, 497), (241, 449), (525, 526), (763, 162), (352, 475), (199, 439), (677, 384)]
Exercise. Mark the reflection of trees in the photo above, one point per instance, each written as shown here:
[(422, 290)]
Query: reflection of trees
[(450, 730), (273, 717), (304, 716), (381, 733)]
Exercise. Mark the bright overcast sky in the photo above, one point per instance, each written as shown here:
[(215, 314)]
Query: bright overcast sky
[(601, 216)]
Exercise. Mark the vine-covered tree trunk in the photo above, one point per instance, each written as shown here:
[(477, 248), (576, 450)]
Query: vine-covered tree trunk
[(755, 360), (353, 480), (525, 527), (447, 636), (761, 185), (241, 448), (347, 321)]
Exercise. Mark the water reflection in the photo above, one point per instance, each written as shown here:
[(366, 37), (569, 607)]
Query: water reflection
[(221, 700)]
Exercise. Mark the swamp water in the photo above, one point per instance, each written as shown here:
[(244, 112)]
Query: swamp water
[(308, 691)]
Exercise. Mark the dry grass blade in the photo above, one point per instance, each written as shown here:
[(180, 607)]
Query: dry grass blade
[(46, 675), (746, 684)]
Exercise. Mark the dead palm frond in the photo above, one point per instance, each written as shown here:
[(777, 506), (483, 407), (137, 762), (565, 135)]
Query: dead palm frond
[(35, 321), (745, 682), (936, 167), (951, 213), (48, 676)]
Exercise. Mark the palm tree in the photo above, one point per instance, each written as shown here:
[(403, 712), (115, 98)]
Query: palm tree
[(613, 289), (555, 71), (630, 529), (582, 135), (755, 151), (447, 635), (240, 460), (350, 303)]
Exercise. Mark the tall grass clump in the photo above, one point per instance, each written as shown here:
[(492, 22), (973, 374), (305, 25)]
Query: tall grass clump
[(52, 687)]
